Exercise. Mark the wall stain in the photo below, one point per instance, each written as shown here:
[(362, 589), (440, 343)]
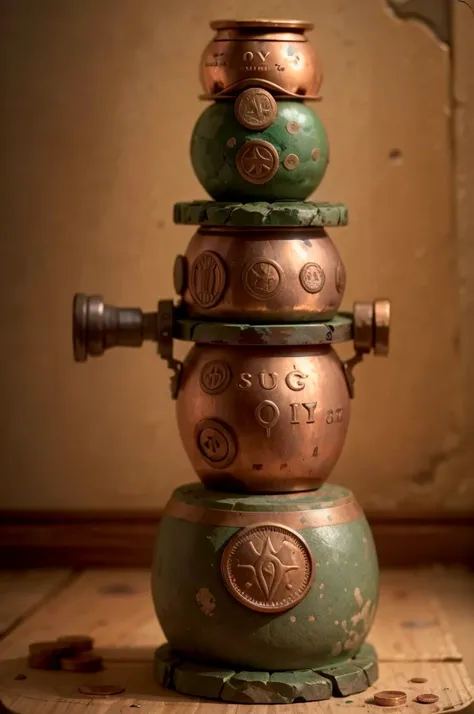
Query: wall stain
[(427, 476), (435, 14)]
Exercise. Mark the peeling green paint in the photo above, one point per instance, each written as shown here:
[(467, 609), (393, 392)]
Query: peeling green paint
[(435, 14)]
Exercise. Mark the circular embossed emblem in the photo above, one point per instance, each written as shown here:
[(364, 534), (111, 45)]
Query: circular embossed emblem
[(340, 278), (216, 443), (291, 162), (312, 277), (255, 108), (257, 161), (263, 278), (207, 280), (268, 568), (215, 377)]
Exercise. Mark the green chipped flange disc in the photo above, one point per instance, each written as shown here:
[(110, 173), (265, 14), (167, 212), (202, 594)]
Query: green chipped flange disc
[(339, 329), (302, 214), (253, 687)]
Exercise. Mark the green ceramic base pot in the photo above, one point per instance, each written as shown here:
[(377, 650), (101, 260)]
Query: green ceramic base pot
[(323, 607)]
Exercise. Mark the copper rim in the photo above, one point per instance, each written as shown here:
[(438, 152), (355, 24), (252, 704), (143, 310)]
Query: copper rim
[(263, 22), (231, 97), (298, 520)]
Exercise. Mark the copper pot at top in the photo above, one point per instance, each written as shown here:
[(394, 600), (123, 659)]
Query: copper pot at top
[(273, 54)]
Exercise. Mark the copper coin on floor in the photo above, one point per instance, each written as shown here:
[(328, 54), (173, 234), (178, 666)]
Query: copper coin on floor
[(418, 680), (47, 655), (390, 698), (85, 662), (78, 643), (101, 690), (427, 698)]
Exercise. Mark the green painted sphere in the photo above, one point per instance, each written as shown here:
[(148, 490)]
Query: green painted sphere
[(205, 623), (218, 136)]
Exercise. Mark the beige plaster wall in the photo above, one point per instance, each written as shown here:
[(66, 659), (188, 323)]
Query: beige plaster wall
[(100, 100)]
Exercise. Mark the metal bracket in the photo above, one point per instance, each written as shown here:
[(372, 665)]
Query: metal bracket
[(165, 317), (348, 366)]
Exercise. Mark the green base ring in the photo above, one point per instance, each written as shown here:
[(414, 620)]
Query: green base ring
[(300, 214), (304, 685), (339, 329)]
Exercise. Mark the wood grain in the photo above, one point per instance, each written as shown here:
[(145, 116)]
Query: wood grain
[(115, 607), (57, 692), (23, 591)]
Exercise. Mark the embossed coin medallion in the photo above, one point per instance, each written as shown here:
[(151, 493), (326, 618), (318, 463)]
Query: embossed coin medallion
[(215, 377), (255, 108), (312, 277), (216, 443), (291, 162), (263, 278), (207, 280), (268, 568), (315, 154), (292, 127), (180, 274), (257, 161), (340, 278)]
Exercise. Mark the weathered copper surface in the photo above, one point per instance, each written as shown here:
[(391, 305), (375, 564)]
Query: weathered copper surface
[(268, 568), (343, 511), (271, 54), (282, 418), (372, 327), (273, 275)]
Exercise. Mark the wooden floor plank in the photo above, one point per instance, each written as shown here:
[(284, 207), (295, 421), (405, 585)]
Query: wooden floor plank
[(410, 624), (58, 692), (115, 607), (23, 591), (112, 606)]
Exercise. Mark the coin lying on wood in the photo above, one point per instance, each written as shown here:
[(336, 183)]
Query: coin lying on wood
[(85, 662), (47, 655), (427, 698), (101, 690), (77, 643), (390, 698)]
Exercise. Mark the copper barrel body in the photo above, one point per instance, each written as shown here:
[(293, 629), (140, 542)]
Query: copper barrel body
[(268, 420), (263, 275)]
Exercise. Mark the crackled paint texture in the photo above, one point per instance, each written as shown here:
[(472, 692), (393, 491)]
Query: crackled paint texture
[(214, 157), (316, 632)]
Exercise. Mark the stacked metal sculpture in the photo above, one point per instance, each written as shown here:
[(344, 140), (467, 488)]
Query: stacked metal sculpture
[(265, 579)]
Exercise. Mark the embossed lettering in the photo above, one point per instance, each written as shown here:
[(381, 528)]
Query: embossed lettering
[(245, 381), (333, 416), (270, 383), (267, 414), (294, 380), (248, 56), (310, 407), (295, 412)]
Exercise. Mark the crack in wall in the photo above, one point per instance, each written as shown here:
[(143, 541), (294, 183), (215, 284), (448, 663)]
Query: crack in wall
[(436, 15)]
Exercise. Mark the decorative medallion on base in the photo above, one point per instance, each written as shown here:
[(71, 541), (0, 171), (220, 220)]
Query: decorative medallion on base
[(252, 687)]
